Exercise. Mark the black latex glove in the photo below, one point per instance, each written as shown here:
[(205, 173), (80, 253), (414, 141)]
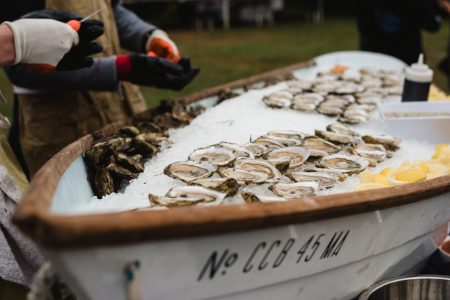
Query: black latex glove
[(160, 73), (78, 56)]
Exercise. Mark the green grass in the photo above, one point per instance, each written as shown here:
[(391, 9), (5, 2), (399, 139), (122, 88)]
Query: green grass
[(226, 56)]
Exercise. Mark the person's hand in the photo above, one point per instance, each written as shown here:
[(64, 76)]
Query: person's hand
[(155, 71), (159, 44), (41, 42), (77, 57)]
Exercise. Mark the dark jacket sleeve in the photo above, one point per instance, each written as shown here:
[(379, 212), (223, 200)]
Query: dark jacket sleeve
[(101, 76), (133, 32)]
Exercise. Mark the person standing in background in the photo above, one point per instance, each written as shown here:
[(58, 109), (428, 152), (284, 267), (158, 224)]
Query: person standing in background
[(444, 65), (53, 110), (394, 27)]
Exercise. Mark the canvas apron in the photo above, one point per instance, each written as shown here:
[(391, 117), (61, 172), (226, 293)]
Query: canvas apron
[(49, 121)]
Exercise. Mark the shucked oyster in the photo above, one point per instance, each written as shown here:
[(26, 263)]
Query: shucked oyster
[(319, 147), (243, 176), (229, 186), (250, 197), (287, 134), (258, 166), (335, 137), (188, 171), (306, 102), (341, 129), (373, 152), (281, 140), (389, 142), (256, 149), (104, 183), (237, 150), (278, 99), (296, 155), (349, 164), (219, 156), (325, 179), (188, 195), (269, 144), (295, 190)]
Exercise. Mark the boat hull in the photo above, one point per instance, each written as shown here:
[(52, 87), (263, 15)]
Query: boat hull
[(331, 259)]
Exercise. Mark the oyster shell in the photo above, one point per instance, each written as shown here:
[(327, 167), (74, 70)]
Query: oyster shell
[(389, 142), (295, 155), (368, 99), (152, 137), (269, 144), (325, 179), (375, 152), (243, 176), (325, 86), (128, 131), (237, 150), (104, 183), (319, 147), (188, 171), (341, 176), (295, 190), (219, 156), (128, 162), (350, 164), (120, 173), (300, 84), (250, 197), (278, 99), (303, 106), (309, 98), (229, 186), (330, 109), (344, 130), (187, 196), (286, 142), (287, 134), (335, 137), (349, 88), (259, 166), (257, 149)]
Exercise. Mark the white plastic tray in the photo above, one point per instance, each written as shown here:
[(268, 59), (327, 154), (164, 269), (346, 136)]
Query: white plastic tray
[(433, 129)]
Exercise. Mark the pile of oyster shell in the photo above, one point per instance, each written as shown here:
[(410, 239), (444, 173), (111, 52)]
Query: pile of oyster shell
[(115, 160), (283, 164), (351, 96)]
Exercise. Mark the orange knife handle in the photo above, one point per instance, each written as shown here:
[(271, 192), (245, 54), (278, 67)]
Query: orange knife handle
[(76, 25)]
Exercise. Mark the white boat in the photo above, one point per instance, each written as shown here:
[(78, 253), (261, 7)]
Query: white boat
[(322, 247)]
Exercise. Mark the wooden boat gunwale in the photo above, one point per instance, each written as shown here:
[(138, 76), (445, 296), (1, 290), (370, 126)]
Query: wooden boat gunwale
[(60, 231)]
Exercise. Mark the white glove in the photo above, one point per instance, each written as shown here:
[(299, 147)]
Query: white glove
[(42, 41), (159, 44)]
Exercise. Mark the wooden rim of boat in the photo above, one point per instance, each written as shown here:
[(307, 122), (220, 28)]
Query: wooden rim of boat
[(33, 214)]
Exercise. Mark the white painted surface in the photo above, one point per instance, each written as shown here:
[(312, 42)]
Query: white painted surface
[(372, 250)]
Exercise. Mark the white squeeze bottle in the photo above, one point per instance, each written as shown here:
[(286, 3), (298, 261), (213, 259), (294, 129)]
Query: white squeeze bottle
[(418, 78)]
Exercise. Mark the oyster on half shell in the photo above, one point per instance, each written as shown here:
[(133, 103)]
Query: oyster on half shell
[(295, 190), (319, 147), (286, 142), (188, 195), (237, 150), (188, 171), (287, 134), (243, 176), (296, 155), (216, 155), (229, 186), (375, 152), (325, 179), (350, 164), (278, 99), (250, 197), (259, 166), (335, 137), (341, 129), (389, 142)]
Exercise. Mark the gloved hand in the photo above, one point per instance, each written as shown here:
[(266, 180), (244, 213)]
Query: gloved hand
[(155, 71), (78, 56), (159, 44), (42, 42)]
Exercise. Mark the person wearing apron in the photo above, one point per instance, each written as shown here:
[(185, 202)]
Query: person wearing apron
[(55, 109), (27, 41)]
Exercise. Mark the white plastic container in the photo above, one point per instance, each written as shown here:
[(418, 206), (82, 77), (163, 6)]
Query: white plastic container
[(425, 121)]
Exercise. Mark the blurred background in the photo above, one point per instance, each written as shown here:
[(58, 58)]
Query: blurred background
[(232, 39)]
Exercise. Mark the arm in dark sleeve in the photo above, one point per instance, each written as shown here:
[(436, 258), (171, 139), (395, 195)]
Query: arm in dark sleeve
[(101, 76), (133, 32)]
